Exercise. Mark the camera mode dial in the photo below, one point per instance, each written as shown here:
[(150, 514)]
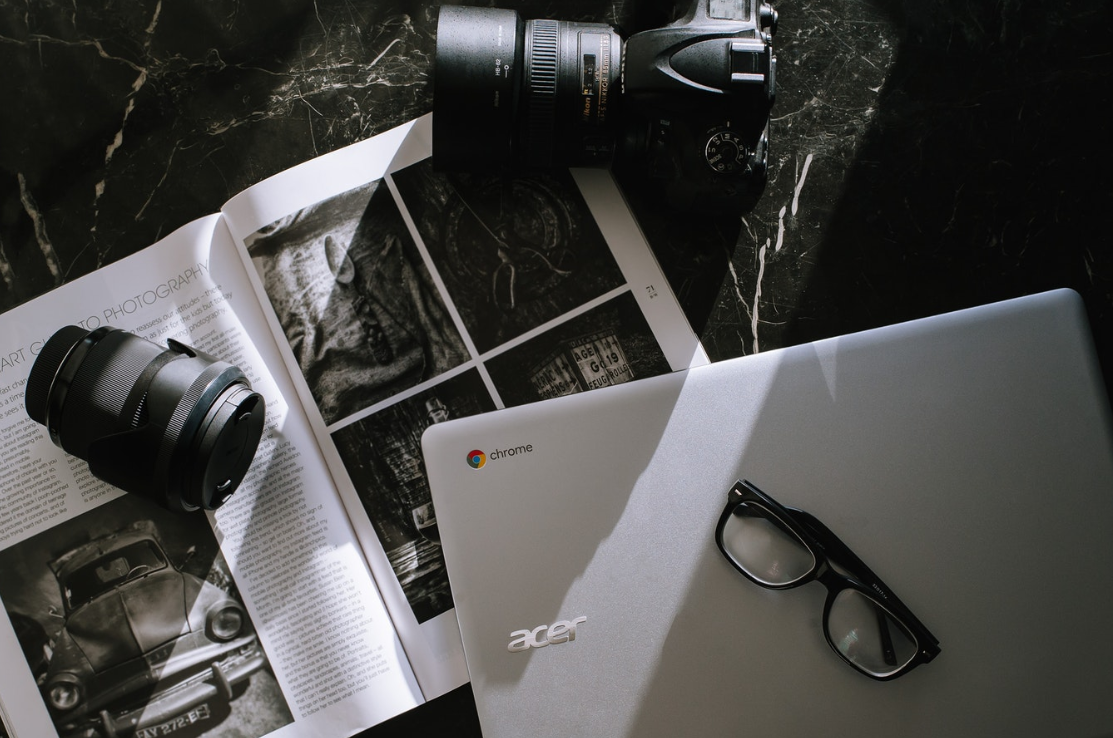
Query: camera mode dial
[(725, 152)]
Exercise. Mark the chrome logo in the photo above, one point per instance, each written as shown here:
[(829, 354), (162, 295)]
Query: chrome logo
[(476, 459)]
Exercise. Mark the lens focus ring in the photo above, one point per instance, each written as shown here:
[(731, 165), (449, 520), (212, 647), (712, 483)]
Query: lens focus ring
[(100, 389), (541, 57)]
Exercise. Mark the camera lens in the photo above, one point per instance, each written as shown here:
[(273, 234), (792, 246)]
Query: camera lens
[(510, 95), (174, 425)]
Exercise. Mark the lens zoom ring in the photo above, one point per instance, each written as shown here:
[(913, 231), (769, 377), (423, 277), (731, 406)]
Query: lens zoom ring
[(100, 388), (110, 373), (537, 144)]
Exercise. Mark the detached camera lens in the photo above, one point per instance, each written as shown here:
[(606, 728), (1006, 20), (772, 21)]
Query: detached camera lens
[(510, 94), (171, 424)]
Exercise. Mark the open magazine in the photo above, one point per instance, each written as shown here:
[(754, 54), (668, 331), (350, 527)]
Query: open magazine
[(366, 297)]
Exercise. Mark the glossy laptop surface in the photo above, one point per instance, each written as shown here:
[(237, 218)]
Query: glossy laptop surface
[(966, 458)]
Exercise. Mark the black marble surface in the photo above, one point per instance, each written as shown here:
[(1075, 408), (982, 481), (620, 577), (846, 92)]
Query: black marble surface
[(927, 155)]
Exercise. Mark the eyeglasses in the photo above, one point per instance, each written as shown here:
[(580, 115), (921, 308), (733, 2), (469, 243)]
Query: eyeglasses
[(781, 547)]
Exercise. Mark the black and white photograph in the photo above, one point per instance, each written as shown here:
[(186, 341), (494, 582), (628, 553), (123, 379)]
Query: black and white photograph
[(355, 300), (383, 456), (607, 345), (513, 253), (132, 625)]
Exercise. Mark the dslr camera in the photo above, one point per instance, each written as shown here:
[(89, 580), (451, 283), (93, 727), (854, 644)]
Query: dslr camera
[(683, 108)]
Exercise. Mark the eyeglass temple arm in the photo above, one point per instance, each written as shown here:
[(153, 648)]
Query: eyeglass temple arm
[(889, 653), (839, 552)]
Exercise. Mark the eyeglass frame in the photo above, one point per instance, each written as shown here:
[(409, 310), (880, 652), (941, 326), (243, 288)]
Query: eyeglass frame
[(825, 547)]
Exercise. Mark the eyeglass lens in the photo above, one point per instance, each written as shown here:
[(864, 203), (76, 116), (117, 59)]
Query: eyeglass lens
[(764, 547), (867, 635), (859, 627)]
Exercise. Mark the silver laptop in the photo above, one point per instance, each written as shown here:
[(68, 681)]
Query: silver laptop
[(966, 459)]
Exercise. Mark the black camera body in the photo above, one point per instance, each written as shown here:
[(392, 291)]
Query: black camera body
[(683, 108)]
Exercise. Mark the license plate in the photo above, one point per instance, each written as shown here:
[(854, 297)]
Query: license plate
[(194, 716)]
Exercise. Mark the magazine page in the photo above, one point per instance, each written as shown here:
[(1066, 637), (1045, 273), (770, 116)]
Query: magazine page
[(403, 297), (111, 600)]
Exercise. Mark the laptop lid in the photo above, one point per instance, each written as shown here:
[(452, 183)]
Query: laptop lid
[(966, 458)]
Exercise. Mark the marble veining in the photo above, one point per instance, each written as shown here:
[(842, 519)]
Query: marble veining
[(899, 145), (926, 155)]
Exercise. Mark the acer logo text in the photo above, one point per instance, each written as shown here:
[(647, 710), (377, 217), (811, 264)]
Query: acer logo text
[(561, 631)]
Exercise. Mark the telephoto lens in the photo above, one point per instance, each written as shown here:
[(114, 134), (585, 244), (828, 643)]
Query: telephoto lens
[(512, 94), (171, 424)]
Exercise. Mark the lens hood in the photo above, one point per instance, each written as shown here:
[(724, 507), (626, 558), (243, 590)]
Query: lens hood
[(475, 84)]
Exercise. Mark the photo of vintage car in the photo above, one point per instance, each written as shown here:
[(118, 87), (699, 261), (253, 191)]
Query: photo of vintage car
[(146, 648)]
